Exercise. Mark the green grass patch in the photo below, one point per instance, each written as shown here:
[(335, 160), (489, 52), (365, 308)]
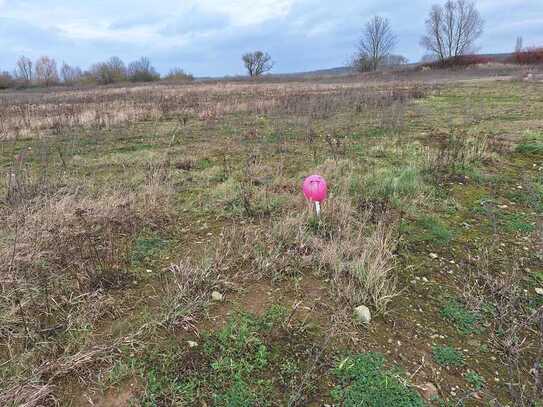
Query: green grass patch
[(517, 222), (145, 248), (465, 321), (249, 362), (132, 148), (365, 381), (475, 380), (434, 230), (447, 356), (531, 144), (392, 184)]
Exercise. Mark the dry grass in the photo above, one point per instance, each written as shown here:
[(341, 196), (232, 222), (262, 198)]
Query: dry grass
[(33, 115)]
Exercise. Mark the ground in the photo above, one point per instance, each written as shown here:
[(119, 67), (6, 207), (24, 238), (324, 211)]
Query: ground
[(158, 250)]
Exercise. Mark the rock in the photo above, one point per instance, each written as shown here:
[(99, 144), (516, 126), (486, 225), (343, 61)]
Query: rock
[(433, 256), (192, 344), (362, 314), (539, 290), (216, 296), (429, 391)]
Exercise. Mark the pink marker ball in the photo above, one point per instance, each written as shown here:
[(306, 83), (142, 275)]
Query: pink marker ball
[(315, 188)]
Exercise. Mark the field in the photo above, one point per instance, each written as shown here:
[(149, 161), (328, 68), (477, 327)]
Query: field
[(156, 248)]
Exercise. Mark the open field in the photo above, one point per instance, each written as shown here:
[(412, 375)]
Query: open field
[(156, 249)]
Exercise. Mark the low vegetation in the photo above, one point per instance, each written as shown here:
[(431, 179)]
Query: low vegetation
[(157, 249)]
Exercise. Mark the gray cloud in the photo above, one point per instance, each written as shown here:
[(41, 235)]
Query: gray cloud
[(207, 37)]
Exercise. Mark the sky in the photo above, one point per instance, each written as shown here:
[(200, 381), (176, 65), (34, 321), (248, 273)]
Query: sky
[(208, 37)]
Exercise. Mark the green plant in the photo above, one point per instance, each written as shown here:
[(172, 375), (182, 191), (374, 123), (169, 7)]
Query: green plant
[(394, 184), (531, 144), (465, 321), (475, 380), (146, 247), (435, 231), (447, 356), (363, 380), (517, 222)]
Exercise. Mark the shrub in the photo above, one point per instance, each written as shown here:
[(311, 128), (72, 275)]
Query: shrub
[(104, 73), (529, 56), (179, 75), (142, 71), (6, 80), (462, 61)]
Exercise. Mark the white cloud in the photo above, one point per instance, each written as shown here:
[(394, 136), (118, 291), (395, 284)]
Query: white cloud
[(247, 12)]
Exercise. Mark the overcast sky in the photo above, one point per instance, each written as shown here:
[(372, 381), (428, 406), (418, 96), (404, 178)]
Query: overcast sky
[(207, 37)]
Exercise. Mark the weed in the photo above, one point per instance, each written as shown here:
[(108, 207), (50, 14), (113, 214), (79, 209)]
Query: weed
[(363, 380), (531, 144), (145, 248), (392, 184), (475, 380), (434, 230), (447, 356), (466, 321), (517, 222)]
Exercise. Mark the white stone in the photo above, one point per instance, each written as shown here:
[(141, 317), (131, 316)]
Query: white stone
[(216, 296), (539, 290), (362, 314)]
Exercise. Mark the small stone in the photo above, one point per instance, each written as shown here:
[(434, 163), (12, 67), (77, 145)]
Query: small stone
[(216, 296), (362, 314), (539, 290), (433, 255), (192, 344), (429, 391)]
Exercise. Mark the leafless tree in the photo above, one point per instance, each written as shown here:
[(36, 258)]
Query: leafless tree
[(6, 80), (142, 71), (376, 43), (452, 29), (46, 71), (111, 71), (257, 63), (23, 69), (70, 74), (519, 45)]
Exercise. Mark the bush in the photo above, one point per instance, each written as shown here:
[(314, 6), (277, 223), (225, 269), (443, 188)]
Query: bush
[(105, 73), (529, 56), (179, 75), (462, 61), (6, 80), (142, 71)]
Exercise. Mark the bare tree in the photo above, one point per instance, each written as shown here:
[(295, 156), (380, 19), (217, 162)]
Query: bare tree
[(117, 69), (452, 29), (257, 63), (111, 71), (23, 69), (46, 71), (6, 80), (519, 45), (376, 43), (70, 74), (142, 71)]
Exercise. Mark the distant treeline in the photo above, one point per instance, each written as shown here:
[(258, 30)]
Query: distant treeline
[(526, 56), (46, 72)]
